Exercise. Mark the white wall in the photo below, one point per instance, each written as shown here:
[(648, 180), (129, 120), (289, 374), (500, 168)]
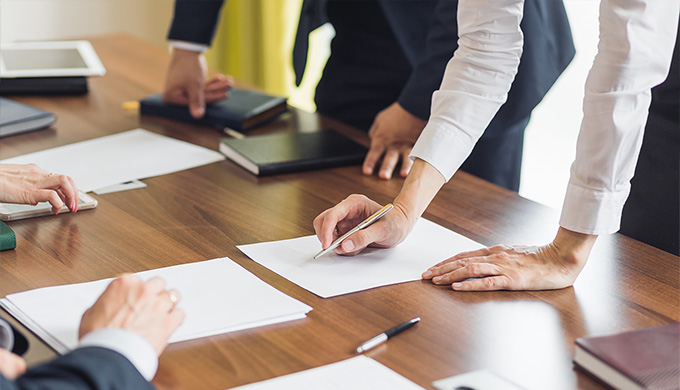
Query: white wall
[(22, 20)]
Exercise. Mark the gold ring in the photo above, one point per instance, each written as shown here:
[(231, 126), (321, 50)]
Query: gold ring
[(51, 174), (173, 298)]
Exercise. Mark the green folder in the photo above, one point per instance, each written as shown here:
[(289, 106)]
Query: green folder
[(7, 238)]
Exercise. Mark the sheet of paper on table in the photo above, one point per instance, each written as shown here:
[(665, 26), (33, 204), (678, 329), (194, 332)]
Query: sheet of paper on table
[(477, 380), (331, 275), (212, 297), (118, 158), (357, 373)]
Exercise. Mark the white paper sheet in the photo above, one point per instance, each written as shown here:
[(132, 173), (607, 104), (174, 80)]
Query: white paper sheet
[(332, 275), (478, 380), (118, 158), (218, 296), (357, 373)]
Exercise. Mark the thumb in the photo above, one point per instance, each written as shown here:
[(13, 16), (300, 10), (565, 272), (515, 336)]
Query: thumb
[(196, 102), (358, 241)]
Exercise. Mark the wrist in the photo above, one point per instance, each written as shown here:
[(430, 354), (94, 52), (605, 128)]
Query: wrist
[(420, 187), (573, 247)]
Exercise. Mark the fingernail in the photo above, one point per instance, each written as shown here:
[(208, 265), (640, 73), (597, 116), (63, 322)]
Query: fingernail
[(457, 285), (427, 274), (348, 245), (436, 279)]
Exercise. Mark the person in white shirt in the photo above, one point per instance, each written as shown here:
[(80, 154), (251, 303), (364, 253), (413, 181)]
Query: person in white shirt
[(634, 55)]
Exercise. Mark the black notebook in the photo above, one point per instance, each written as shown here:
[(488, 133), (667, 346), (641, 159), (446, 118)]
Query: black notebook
[(241, 111), (16, 118), (292, 152)]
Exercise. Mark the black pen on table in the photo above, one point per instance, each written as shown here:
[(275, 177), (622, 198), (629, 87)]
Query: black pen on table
[(382, 337)]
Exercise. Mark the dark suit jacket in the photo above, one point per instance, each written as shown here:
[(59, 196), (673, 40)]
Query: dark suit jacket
[(90, 368), (427, 31)]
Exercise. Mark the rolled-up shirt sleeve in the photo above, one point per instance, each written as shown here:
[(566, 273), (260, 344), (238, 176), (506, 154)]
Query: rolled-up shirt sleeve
[(475, 84), (634, 54)]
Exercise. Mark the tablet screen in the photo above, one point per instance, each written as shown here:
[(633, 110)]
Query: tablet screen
[(43, 59), (49, 59)]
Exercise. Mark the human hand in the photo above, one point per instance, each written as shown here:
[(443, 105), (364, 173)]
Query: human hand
[(11, 365), (145, 308), (184, 83), (547, 267), (387, 232), (30, 184), (393, 134)]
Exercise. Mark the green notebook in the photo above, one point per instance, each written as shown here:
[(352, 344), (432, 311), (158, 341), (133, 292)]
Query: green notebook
[(7, 238)]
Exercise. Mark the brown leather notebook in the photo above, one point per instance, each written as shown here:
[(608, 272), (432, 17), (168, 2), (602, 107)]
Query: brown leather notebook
[(641, 359)]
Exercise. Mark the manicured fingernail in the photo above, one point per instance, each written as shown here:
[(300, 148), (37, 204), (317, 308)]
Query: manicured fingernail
[(427, 274), (436, 279), (457, 285), (348, 245)]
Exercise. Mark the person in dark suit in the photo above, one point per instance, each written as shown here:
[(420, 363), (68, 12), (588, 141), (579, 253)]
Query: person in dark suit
[(387, 58), (652, 211), (121, 335)]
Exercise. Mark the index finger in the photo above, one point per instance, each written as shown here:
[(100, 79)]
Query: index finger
[(374, 154)]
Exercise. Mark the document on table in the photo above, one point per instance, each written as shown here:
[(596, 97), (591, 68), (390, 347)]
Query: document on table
[(217, 296), (332, 275), (482, 380), (118, 158), (357, 373)]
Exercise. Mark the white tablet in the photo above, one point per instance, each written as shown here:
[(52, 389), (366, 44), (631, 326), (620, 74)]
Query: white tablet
[(49, 59)]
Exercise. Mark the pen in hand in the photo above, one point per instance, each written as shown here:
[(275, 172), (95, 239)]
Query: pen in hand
[(382, 337), (365, 223)]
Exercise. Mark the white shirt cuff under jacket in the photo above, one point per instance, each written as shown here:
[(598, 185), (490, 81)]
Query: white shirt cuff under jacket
[(134, 347)]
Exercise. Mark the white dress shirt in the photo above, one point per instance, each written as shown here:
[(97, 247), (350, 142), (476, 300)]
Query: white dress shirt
[(634, 55)]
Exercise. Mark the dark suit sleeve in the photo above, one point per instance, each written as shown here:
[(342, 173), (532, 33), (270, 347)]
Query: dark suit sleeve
[(548, 49), (195, 20), (90, 368), (428, 71)]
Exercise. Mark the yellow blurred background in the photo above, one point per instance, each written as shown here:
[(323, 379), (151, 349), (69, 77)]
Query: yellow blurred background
[(254, 43)]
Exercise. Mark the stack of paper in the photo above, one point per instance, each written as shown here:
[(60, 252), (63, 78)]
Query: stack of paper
[(119, 158), (357, 373), (332, 275), (218, 296)]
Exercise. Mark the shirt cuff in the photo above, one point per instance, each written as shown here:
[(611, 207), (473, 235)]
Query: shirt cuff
[(443, 146), (190, 46), (134, 347), (592, 211)]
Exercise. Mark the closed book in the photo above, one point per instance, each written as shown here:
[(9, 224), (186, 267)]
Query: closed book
[(641, 359), (16, 118), (7, 238), (241, 111), (292, 152)]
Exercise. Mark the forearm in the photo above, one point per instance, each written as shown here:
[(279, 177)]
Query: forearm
[(420, 187), (476, 82)]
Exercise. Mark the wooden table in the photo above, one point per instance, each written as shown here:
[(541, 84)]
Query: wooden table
[(203, 213)]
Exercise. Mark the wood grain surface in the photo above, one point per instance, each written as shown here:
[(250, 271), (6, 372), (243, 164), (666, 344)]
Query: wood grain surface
[(203, 213)]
